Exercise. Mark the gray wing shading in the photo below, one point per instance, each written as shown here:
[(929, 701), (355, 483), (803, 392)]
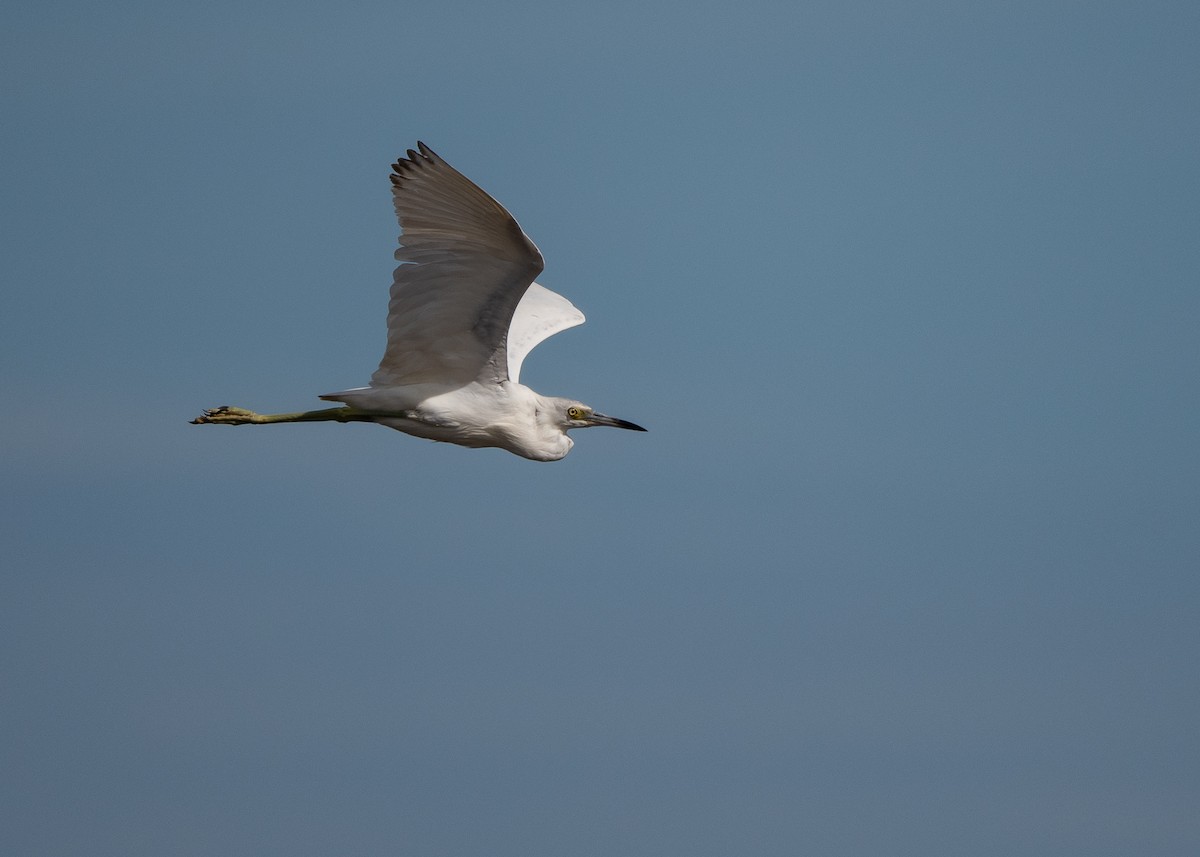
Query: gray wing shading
[(465, 265)]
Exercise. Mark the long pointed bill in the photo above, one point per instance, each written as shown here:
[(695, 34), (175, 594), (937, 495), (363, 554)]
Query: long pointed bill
[(601, 420)]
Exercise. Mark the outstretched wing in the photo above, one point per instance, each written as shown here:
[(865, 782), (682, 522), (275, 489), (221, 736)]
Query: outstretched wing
[(465, 265), (540, 314)]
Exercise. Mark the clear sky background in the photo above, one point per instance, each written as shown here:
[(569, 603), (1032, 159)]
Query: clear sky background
[(908, 295)]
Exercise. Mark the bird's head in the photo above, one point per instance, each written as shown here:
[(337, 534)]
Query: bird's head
[(567, 414), (554, 417)]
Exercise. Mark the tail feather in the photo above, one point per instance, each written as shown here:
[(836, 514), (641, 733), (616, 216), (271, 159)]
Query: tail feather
[(341, 395)]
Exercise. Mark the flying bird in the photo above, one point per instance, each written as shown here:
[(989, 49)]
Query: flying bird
[(464, 314)]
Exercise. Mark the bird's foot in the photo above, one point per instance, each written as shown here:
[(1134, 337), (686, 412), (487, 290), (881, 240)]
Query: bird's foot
[(226, 415)]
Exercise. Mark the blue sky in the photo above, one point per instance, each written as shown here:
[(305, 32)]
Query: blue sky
[(906, 294)]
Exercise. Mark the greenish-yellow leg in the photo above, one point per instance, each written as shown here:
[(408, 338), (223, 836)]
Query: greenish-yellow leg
[(227, 415)]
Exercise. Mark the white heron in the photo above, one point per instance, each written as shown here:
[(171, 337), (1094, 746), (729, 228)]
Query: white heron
[(464, 313)]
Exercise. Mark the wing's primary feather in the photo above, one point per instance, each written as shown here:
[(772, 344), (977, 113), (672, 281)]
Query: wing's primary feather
[(465, 265)]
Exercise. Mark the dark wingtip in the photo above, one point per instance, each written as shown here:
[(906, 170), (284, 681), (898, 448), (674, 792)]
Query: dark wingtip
[(413, 160)]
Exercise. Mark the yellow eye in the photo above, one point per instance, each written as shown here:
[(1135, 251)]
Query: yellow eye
[(575, 413)]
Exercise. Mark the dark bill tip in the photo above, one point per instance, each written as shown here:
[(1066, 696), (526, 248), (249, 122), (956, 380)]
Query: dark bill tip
[(613, 422)]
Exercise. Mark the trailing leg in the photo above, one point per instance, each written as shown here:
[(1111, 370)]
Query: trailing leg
[(227, 415)]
